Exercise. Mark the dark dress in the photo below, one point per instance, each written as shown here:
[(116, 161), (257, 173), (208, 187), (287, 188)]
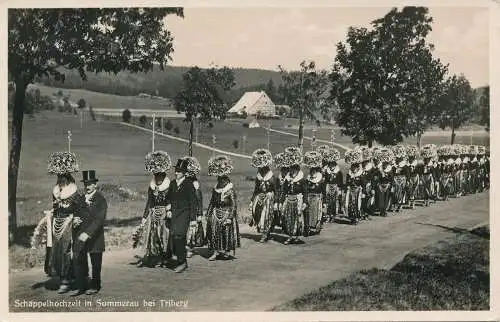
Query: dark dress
[(222, 222), (413, 181), (196, 235), (401, 173), (68, 204), (427, 181), (313, 215), (370, 177), (295, 197), (353, 193), (263, 200), (334, 184), (384, 186), (156, 233)]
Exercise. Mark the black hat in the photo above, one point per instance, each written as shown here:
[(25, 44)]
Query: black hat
[(182, 165), (89, 176)]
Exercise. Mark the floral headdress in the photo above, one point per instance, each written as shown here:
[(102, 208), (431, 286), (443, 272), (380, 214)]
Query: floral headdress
[(412, 151), (332, 155), (261, 158), (157, 162), (312, 159), (193, 166), (427, 152), (62, 163), (367, 153), (473, 149), (446, 150), (399, 151), (353, 156), (281, 160), (294, 155), (384, 155), (220, 165), (323, 149)]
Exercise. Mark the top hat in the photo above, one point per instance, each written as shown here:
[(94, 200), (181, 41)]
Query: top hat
[(182, 165), (89, 176)]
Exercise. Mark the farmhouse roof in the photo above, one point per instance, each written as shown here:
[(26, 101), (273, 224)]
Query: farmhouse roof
[(246, 102)]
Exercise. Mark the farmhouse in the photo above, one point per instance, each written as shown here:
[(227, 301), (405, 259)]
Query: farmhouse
[(254, 103)]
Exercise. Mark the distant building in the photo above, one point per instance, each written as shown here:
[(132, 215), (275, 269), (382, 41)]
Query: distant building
[(254, 103)]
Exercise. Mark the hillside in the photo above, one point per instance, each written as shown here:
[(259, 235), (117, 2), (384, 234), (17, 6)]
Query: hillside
[(167, 82)]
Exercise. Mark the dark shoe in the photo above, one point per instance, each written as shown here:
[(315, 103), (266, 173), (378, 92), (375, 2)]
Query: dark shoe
[(213, 257), (181, 268), (92, 291), (288, 241), (76, 292), (63, 289)]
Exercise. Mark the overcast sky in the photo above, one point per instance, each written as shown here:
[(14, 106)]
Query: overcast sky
[(267, 37)]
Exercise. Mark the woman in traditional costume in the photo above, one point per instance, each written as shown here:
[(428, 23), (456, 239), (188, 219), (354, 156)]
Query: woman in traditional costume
[(282, 163), (61, 226), (295, 197), (487, 168), (315, 185), (263, 201), (196, 235), (457, 172), (369, 182), (401, 171), (354, 185), (464, 169), (222, 222), (156, 213), (436, 171), (334, 183), (426, 174), (447, 154), (385, 179), (413, 179), (473, 168)]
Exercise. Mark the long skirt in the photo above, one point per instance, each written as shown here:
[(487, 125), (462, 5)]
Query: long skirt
[(314, 212), (427, 187), (457, 182), (369, 202), (222, 236), (447, 186), (412, 188), (473, 181), (383, 194), (262, 212), (156, 237), (332, 200), (398, 193), (353, 202), (61, 263), (293, 220)]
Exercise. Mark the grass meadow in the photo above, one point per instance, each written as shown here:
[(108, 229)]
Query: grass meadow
[(452, 274)]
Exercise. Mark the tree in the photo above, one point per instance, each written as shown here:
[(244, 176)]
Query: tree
[(271, 90), (457, 104), (44, 42), (203, 96), (302, 90), (483, 107), (385, 79)]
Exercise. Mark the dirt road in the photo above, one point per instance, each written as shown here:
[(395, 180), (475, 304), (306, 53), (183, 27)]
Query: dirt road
[(263, 275)]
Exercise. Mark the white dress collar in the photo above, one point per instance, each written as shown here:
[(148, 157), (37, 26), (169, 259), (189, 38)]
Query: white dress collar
[(356, 174), (64, 192), (315, 178), (267, 177), (297, 178), (369, 166), (224, 189), (162, 187)]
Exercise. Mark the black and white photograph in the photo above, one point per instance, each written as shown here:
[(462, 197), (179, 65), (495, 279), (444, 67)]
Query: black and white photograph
[(249, 158)]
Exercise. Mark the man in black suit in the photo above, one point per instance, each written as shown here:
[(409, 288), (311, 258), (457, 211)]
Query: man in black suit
[(182, 195), (93, 231)]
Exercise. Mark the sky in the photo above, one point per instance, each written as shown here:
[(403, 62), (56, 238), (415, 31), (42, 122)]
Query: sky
[(267, 37)]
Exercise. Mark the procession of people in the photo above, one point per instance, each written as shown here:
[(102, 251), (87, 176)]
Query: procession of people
[(377, 180)]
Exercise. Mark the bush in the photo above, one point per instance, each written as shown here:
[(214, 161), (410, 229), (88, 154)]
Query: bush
[(143, 120), (235, 144), (246, 125), (169, 126), (176, 130), (126, 116)]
